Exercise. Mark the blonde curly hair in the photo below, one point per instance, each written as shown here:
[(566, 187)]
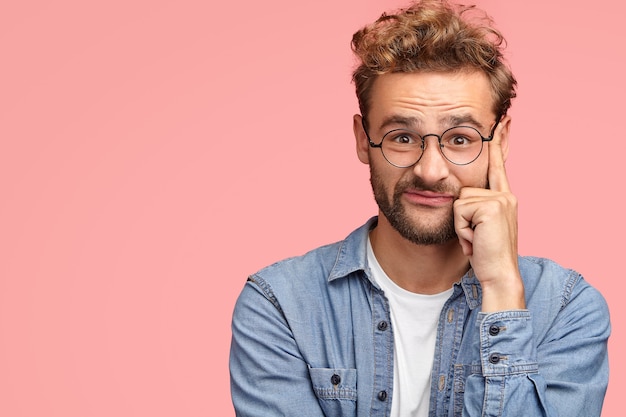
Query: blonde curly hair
[(432, 35)]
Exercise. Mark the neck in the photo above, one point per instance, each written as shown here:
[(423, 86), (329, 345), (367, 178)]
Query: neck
[(423, 269)]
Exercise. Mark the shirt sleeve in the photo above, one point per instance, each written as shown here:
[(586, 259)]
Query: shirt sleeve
[(563, 372), (268, 375)]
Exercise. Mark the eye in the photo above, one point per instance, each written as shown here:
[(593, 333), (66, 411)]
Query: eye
[(461, 137), (459, 140), (402, 137)]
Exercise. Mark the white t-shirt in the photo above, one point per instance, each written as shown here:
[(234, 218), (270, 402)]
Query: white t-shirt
[(414, 319)]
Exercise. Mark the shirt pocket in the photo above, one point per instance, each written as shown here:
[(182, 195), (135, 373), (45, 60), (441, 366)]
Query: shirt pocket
[(335, 390)]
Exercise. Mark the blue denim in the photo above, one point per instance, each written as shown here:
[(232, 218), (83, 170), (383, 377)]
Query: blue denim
[(312, 336)]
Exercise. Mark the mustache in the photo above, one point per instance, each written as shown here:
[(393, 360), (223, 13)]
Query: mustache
[(417, 183)]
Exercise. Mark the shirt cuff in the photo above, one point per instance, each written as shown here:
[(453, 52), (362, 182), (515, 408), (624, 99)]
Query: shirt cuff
[(507, 346)]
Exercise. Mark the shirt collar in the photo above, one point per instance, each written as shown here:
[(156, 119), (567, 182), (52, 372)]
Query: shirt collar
[(352, 254), (352, 257), (472, 289)]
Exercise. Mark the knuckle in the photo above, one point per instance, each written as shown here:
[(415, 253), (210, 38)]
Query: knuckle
[(509, 200)]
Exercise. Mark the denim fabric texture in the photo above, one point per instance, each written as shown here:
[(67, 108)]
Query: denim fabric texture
[(312, 336)]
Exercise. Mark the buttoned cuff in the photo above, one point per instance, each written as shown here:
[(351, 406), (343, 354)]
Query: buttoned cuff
[(506, 343)]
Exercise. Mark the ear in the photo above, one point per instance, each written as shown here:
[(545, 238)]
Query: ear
[(502, 135), (362, 142)]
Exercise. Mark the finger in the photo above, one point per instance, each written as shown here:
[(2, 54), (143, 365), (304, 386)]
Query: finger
[(466, 246), (498, 180), (473, 194), (464, 227)]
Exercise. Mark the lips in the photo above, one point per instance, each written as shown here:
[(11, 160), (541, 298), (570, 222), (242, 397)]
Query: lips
[(428, 198)]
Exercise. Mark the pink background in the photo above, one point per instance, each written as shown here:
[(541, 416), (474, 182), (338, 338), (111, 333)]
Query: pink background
[(154, 153)]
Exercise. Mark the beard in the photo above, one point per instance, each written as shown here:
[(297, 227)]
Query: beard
[(420, 233)]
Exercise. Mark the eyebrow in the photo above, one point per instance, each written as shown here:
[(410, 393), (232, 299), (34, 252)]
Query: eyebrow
[(398, 120), (461, 119), (414, 123)]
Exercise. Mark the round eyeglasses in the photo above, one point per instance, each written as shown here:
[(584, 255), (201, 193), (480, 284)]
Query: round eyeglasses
[(403, 148)]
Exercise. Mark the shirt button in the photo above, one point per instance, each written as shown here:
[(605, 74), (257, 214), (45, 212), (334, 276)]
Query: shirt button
[(494, 330), (335, 379), (382, 396), (450, 315), (382, 326), (494, 358)]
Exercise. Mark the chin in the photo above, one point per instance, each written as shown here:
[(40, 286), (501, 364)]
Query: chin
[(421, 234)]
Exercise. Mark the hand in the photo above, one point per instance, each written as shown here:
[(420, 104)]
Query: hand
[(486, 224)]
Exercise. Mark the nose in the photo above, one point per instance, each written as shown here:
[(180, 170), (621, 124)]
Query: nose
[(432, 166)]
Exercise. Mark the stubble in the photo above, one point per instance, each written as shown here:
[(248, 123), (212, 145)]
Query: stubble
[(420, 233)]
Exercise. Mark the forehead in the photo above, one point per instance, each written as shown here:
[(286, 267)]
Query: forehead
[(431, 97)]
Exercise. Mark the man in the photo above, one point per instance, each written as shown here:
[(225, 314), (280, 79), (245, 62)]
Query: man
[(426, 310)]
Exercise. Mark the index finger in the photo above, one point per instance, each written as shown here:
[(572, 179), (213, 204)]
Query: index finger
[(498, 180)]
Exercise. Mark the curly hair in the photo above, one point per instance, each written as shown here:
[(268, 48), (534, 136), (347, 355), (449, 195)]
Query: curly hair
[(432, 35)]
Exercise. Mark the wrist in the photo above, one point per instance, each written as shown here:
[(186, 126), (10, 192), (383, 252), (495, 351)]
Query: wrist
[(503, 294)]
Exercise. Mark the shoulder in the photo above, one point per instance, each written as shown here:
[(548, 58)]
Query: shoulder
[(288, 289), (313, 266), (304, 290), (316, 269), (547, 277), (553, 292)]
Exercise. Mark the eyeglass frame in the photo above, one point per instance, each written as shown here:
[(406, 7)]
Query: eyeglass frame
[(380, 145)]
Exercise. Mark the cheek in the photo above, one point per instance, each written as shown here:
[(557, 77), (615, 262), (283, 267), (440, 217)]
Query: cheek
[(474, 174), (384, 171), (386, 179)]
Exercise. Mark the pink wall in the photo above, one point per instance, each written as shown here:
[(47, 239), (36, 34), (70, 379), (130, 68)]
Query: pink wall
[(154, 153)]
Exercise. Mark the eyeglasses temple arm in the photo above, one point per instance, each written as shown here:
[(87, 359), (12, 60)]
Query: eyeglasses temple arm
[(372, 144)]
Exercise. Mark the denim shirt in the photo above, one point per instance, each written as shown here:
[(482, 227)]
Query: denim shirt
[(312, 336)]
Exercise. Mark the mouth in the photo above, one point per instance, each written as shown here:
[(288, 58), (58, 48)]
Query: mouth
[(429, 198)]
